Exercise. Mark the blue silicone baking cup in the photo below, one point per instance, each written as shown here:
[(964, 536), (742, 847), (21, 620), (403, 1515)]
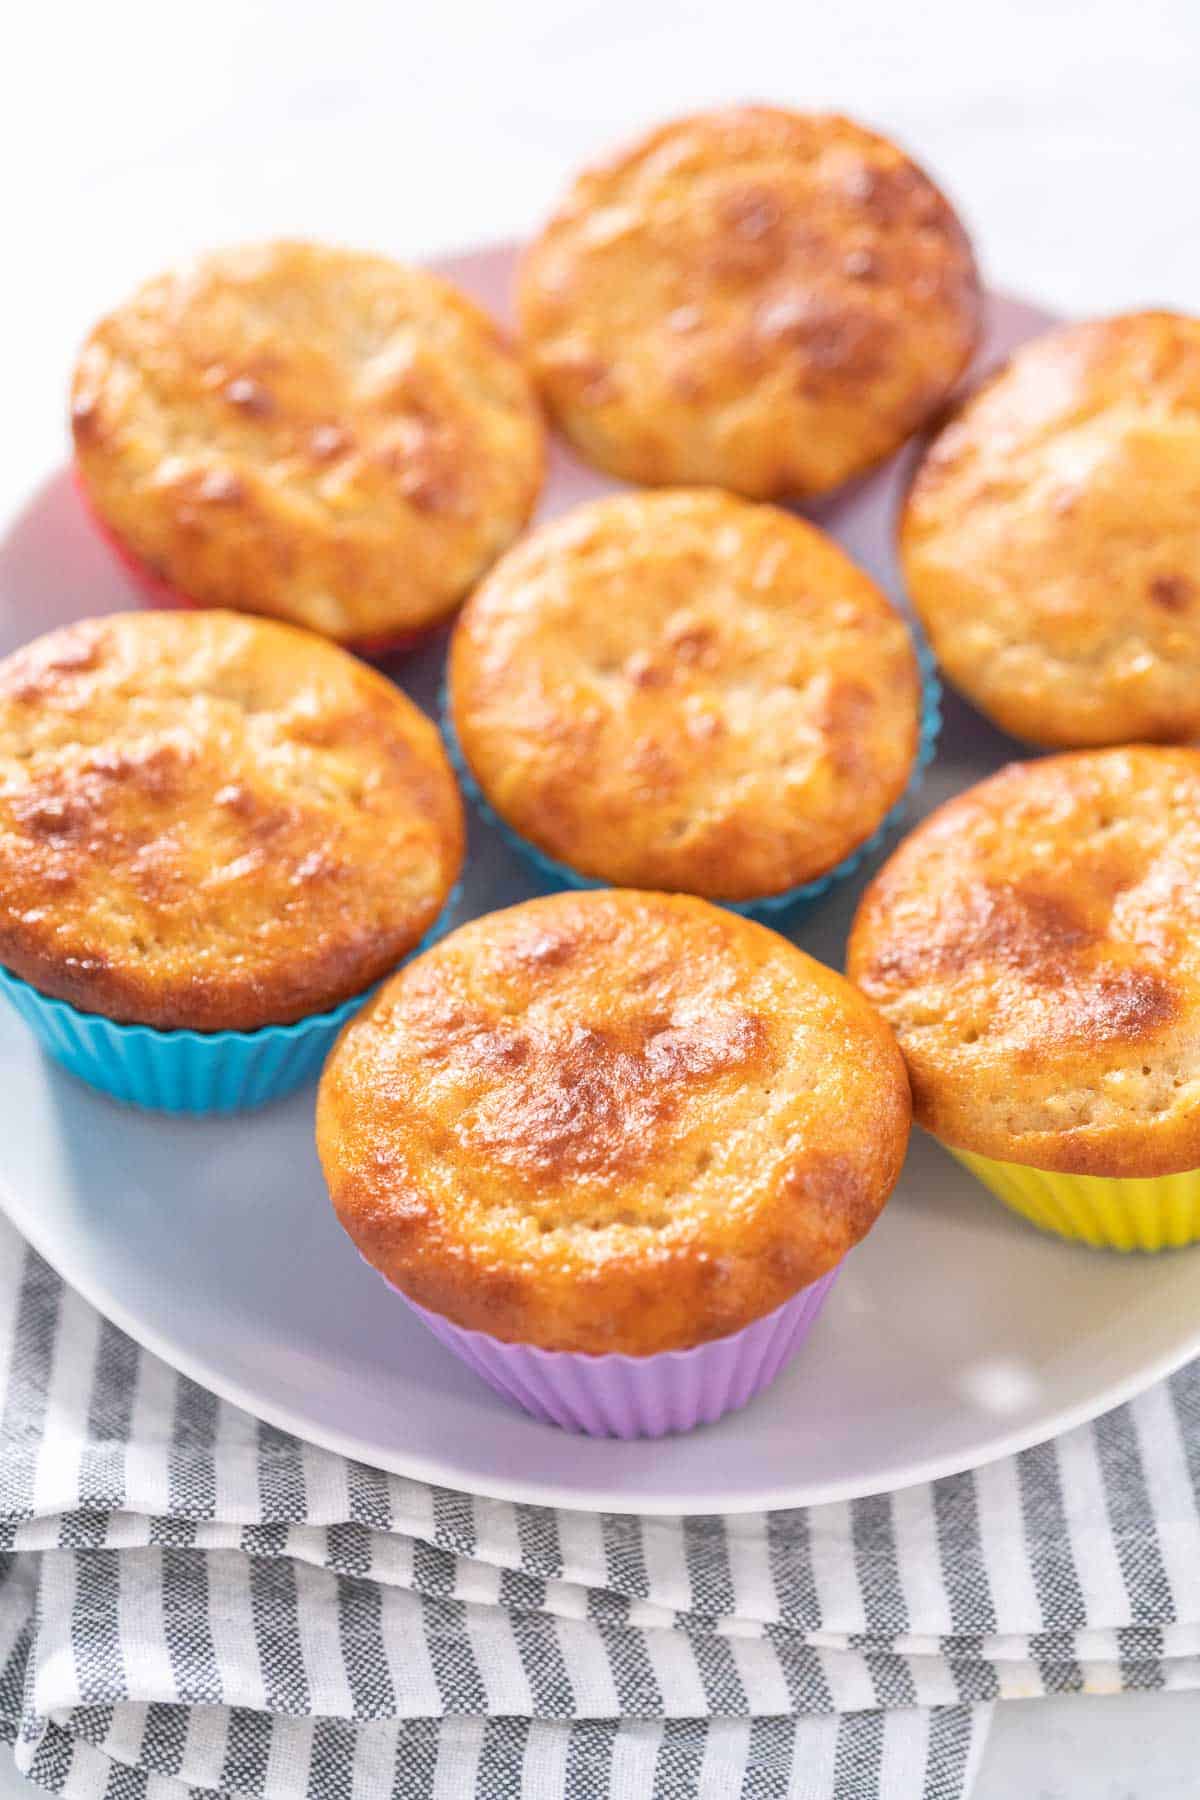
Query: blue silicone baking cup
[(200, 1072), (796, 901)]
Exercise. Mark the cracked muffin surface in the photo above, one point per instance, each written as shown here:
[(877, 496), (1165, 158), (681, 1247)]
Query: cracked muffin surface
[(1035, 945), (749, 298), (685, 690), (1050, 540), (611, 1121), (212, 821), (315, 434)]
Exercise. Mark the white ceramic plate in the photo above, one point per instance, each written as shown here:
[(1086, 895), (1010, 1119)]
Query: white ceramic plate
[(956, 1333)]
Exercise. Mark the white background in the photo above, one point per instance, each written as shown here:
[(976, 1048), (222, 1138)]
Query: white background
[(1068, 134)]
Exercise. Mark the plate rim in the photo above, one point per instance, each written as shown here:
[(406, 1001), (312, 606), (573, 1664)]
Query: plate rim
[(593, 1500)]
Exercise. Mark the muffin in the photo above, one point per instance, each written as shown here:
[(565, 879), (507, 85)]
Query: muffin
[(211, 824), (599, 1136), (1049, 540), (685, 690), (755, 299), (325, 437), (1035, 944)]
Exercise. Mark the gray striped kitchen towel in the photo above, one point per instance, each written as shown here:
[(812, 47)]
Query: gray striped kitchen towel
[(193, 1601)]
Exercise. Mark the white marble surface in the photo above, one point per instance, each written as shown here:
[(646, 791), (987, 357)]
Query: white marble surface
[(1116, 1747), (1069, 136)]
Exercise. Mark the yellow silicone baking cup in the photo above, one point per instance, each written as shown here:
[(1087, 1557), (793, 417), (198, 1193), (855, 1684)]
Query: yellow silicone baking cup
[(1160, 1212)]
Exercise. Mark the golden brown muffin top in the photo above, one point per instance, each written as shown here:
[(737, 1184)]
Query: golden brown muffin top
[(685, 690), (213, 821), (327, 437), (1035, 944), (1051, 539), (611, 1121), (755, 299)]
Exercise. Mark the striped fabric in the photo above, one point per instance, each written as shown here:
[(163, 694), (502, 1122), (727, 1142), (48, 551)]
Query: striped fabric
[(190, 1599)]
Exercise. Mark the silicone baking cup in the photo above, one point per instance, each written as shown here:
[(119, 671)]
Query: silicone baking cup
[(205, 1072), (1160, 1212), (179, 1071), (637, 1396), (796, 900), (157, 592)]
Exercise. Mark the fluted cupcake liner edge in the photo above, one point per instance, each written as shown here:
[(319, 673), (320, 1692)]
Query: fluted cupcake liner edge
[(620, 1396), (1157, 1212)]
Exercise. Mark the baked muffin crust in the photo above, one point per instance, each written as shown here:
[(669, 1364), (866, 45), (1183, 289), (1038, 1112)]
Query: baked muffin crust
[(750, 298), (683, 690), (326, 437), (1050, 539), (611, 1121), (1035, 944), (212, 821)]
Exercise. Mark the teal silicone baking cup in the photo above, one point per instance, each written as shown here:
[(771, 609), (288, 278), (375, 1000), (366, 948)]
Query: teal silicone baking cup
[(796, 901), (179, 1071), (202, 1072)]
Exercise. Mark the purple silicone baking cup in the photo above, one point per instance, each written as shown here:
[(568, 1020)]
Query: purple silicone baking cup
[(637, 1396)]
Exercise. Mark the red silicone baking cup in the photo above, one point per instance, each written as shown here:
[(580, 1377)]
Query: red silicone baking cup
[(157, 592)]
